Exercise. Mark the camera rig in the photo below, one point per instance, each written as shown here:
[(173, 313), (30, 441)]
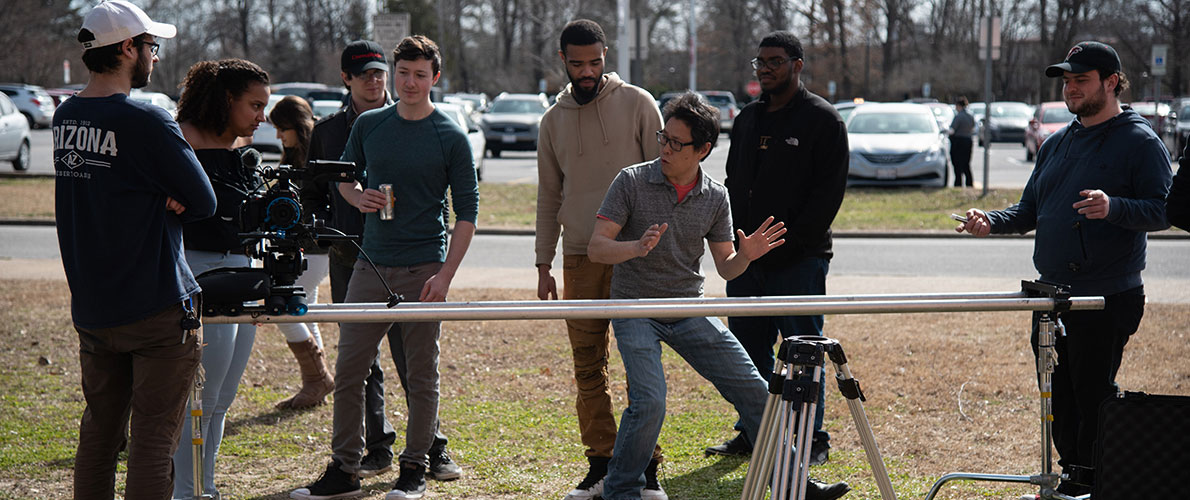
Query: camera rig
[(273, 222)]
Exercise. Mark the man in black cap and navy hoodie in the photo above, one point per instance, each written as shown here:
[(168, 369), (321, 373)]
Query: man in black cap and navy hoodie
[(1099, 185)]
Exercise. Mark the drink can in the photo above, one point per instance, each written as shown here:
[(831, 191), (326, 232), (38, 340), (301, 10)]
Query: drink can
[(386, 212)]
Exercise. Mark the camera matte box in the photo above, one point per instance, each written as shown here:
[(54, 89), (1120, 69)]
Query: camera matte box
[(1143, 447)]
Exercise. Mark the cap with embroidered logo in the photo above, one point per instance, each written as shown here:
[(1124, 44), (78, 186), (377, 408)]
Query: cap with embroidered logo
[(1087, 56), (362, 55), (114, 21)]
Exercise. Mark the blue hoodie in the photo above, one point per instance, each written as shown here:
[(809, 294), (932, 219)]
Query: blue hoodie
[(1123, 158)]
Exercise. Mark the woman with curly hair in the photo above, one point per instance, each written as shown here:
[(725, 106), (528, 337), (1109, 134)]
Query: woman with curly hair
[(294, 121), (222, 102)]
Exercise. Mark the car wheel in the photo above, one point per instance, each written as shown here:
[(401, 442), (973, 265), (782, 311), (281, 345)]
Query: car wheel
[(21, 162), (479, 170), (29, 118), (495, 153), (1028, 154)]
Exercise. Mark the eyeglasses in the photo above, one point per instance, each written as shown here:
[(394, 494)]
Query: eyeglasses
[(372, 74), (153, 47), (674, 144), (773, 63)]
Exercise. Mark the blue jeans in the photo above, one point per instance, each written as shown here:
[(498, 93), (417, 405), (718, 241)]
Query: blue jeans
[(225, 353), (758, 333), (711, 350)]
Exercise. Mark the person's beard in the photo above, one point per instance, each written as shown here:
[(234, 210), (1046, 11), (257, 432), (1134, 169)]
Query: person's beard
[(140, 73), (581, 95), (1091, 105)]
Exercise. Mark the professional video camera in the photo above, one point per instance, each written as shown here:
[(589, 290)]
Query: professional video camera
[(273, 219)]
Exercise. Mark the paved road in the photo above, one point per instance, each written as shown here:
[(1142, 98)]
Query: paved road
[(861, 265), (1008, 168)]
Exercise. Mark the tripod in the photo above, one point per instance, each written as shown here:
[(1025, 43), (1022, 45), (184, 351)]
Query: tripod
[(782, 453), (196, 439), (783, 441)]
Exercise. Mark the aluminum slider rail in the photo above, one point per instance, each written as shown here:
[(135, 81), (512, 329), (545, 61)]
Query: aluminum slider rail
[(662, 308)]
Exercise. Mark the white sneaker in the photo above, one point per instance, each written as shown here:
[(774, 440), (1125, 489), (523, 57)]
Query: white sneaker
[(657, 494), (586, 490)]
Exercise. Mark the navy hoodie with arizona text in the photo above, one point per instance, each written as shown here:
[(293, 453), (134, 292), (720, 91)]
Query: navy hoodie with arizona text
[(1123, 158)]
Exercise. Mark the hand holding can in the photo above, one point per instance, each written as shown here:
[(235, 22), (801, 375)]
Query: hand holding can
[(386, 212)]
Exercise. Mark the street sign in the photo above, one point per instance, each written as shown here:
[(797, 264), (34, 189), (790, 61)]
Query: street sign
[(983, 38), (1159, 55), (753, 88), (925, 89), (389, 29)]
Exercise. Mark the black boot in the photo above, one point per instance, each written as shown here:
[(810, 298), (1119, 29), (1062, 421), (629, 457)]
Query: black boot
[(816, 490)]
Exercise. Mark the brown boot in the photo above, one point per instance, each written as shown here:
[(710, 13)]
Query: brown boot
[(317, 381)]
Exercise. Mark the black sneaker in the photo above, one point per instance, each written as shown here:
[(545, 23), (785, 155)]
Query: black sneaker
[(334, 483), (652, 489), (375, 463), (820, 451), (410, 484), (738, 446), (816, 490), (591, 486), (442, 468)]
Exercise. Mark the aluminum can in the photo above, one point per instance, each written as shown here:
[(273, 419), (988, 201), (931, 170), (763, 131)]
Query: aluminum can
[(386, 212)]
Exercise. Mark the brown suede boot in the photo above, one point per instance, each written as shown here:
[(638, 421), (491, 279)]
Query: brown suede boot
[(317, 381)]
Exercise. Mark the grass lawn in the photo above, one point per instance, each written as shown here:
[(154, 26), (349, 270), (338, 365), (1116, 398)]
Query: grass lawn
[(515, 205), (946, 392)]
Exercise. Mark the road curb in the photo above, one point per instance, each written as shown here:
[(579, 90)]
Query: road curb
[(1169, 234)]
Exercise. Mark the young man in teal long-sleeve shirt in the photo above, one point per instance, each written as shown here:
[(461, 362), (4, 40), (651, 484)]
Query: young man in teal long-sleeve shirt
[(421, 152)]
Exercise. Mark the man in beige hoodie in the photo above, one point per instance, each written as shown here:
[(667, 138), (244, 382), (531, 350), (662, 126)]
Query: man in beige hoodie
[(599, 125)]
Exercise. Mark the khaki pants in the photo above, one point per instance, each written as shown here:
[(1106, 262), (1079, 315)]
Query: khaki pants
[(589, 344), (141, 371)]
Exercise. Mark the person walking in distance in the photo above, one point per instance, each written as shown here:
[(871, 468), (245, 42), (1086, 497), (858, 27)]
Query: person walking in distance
[(599, 125), (126, 181), (962, 132), (1098, 186)]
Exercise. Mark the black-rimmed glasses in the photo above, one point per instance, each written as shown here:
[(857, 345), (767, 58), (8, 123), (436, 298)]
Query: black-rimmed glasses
[(153, 47), (674, 144), (773, 63)]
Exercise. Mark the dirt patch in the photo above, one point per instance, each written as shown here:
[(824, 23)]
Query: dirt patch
[(945, 393)]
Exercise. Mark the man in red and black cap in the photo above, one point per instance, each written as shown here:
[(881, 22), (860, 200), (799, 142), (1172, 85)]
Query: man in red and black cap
[(1099, 185)]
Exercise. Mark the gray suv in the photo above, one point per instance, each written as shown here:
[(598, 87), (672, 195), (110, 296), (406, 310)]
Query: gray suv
[(33, 101), (511, 122)]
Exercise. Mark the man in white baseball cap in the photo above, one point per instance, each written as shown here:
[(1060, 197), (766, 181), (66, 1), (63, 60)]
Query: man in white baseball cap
[(127, 180)]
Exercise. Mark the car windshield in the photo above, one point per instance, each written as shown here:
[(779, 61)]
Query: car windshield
[(718, 101), (1057, 114), (1011, 111), (517, 106), (891, 123), (1184, 114)]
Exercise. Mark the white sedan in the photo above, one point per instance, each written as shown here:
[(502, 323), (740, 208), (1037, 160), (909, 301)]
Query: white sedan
[(474, 132), (896, 144)]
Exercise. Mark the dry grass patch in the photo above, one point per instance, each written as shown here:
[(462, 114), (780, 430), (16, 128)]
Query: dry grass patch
[(27, 198), (508, 404)]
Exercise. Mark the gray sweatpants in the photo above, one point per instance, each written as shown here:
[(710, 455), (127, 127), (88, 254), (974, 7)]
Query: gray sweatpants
[(359, 344)]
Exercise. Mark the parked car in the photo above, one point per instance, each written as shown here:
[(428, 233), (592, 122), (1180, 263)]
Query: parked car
[(15, 142), (728, 108), (1047, 119), (479, 101), (156, 98), (846, 107), (511, 123), (265, 138), (1007, 121), (1183, 126), (323, 107), (943, 114), (896, 144), (33, 101), (309, 91), (978, 109), (474, 134), (1163, 119)]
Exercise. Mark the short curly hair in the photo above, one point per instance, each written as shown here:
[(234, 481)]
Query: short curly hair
[(209, 87)]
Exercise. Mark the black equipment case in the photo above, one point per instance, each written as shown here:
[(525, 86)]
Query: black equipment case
[(1143, 450)]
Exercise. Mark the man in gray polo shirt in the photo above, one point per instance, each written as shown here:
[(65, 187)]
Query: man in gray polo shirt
[(651, 226)]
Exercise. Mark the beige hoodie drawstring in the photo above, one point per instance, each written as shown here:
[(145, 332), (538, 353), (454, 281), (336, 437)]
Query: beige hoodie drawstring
[(580, 131), (599, 114)]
